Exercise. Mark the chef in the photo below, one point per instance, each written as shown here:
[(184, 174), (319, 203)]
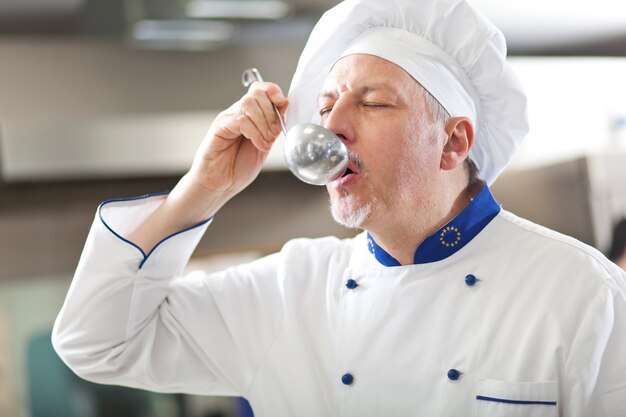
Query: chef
[(444, 305)]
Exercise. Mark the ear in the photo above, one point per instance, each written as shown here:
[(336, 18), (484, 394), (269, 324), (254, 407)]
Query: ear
[(460, 139)]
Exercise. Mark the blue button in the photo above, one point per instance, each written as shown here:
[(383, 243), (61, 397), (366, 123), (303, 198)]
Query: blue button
[(347, 379), (453, 374), (470, 280), (351, 284)]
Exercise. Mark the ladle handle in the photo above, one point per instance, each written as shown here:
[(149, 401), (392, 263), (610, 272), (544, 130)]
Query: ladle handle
[(251, 75)]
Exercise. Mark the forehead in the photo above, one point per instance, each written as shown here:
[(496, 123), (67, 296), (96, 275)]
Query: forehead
[(358, 70)]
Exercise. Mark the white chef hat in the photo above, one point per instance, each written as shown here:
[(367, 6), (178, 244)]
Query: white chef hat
[(451, 49)]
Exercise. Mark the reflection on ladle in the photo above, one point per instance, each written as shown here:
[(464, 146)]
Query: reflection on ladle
[(313, 153)]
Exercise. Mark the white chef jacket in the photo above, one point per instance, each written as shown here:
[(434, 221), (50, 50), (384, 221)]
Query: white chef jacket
[(498, 317)]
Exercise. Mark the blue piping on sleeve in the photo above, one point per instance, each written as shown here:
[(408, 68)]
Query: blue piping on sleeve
[(505, 401), (145, 256)]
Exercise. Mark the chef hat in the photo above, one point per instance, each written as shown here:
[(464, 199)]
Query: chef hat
[(451, 49)]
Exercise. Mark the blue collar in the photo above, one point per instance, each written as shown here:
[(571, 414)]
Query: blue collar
[(457, 233)]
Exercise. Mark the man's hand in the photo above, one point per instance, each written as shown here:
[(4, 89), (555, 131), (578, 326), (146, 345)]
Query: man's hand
[(228, 160), (238, 142)]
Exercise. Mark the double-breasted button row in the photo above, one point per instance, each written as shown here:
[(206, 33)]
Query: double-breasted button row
[(453, 375), (348, 378), (470, 281)]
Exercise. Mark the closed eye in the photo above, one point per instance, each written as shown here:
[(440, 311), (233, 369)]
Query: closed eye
[(375, 105), (325, 111)]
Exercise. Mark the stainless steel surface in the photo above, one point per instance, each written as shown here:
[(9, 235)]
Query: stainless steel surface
[(314, 154)]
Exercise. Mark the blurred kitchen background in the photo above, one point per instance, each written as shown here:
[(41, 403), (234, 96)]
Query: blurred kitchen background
[(109, 98)]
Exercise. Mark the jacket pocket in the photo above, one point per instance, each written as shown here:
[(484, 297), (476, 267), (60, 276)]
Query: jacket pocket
[(614, 403), (516, 399)]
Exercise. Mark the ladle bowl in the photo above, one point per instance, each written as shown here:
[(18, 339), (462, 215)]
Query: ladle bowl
[(313, 154)]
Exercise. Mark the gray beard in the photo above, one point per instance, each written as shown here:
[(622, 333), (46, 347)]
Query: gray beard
[(352, 219)]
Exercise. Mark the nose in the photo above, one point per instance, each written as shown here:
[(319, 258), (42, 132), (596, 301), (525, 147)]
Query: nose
[(339, 120)]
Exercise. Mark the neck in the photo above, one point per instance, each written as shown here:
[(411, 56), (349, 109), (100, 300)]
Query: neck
[(401, 237)]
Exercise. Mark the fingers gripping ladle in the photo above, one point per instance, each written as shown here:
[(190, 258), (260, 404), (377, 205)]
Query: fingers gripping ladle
[(313, 153)]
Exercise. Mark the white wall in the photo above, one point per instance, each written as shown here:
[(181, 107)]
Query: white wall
[(574, 104)]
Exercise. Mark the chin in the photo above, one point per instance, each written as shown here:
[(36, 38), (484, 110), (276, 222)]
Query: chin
[(353, 216)]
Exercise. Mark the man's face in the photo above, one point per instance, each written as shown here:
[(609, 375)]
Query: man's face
[(379, 111)]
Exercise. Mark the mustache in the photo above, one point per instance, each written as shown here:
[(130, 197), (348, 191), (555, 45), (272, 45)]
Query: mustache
[(356, 161)]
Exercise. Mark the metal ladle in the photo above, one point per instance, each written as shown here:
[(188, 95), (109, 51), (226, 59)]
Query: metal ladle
[(313, 153)]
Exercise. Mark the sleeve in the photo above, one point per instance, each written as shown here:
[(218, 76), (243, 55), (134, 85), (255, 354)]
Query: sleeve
[(130, 319), (596, 364)]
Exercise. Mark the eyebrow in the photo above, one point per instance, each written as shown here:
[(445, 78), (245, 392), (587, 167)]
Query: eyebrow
[(330, 94)]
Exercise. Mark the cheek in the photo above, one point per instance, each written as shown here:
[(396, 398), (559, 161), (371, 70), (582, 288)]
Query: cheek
[(400, 154), (415, 162), (423, 146)]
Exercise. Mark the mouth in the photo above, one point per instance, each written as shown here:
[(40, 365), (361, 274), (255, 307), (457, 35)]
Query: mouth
[(348, 172), (350, 175)]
